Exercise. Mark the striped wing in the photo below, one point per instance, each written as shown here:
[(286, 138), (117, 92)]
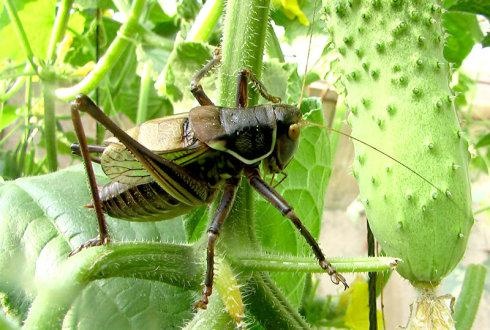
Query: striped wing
[(168, 137), (120, 165)]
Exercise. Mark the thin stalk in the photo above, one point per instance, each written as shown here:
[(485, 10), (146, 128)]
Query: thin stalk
[(59, 28), (205, 21), (19, 28), (19, 82), (126, 33), (27, 126), (145, 86), (469, 298), (483, 209), (273, 45), (282, 263), (50, 125), (373, 314)]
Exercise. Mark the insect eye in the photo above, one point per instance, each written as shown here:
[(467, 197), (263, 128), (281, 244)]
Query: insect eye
[(293, 132)]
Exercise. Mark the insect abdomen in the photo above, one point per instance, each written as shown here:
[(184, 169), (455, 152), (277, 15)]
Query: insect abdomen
[(144, 202)]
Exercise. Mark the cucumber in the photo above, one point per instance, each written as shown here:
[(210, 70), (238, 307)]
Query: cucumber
[(396, 82)]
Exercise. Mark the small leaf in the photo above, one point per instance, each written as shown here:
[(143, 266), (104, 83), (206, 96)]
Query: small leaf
[(7, 115), (486, 40), (184, 61), (484, 141), (471, 6), (463, 32), (357, 311)]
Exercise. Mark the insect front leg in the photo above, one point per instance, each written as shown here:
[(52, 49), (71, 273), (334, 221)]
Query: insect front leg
[(196, 87), (85, 153), (75, 149), (271, 195), (222, 212), (242, 89), (174, 179)]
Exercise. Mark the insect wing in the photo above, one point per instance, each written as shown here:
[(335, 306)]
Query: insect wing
[(168, 137)]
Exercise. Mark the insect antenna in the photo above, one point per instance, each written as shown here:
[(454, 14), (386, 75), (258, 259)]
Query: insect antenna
[(304, 123), (310, 33)]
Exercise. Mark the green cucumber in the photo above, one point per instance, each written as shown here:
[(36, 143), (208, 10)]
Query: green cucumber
[(397, 88), (396, 81)]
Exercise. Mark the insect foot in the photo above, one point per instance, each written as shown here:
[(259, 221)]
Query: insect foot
[(203, 303), (335, 277), (91, 242)]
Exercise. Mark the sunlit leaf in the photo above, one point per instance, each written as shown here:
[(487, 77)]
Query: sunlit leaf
[(37, 18), (39, 226)]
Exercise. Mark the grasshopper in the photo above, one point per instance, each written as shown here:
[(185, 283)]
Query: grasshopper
[(171, 165)]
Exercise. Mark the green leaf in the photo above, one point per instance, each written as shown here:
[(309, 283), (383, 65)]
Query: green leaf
[(7, 115), (184, 61), (37, 18), (480, 7), (39, 226), (484, 141), (357, 311), (463, 32), (486, 40), (304, 188)]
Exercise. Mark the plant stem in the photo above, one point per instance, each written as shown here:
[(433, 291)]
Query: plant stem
[(19, 82), (59, 28), (145, 85), (270, 306), (273, 45), (27, 127), (245, 25), (469, 298), (281, 263), (245, 30), (205, 21), (123, 39), (50, 125), (483, 209), (58, 290), (12, 12)]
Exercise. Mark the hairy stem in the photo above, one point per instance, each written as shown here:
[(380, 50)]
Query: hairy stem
[(59, 289), (245, 31), (278, 263), (270, 306)]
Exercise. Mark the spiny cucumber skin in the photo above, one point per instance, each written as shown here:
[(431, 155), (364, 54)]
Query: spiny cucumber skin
[(397, 87)]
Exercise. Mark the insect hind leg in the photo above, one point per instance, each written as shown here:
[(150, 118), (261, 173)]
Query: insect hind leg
[(222, 212), (271, 195), (84, 149)]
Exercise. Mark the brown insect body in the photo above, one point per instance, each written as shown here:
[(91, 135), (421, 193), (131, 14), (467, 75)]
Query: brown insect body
[(168, 166), (212, 143)]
